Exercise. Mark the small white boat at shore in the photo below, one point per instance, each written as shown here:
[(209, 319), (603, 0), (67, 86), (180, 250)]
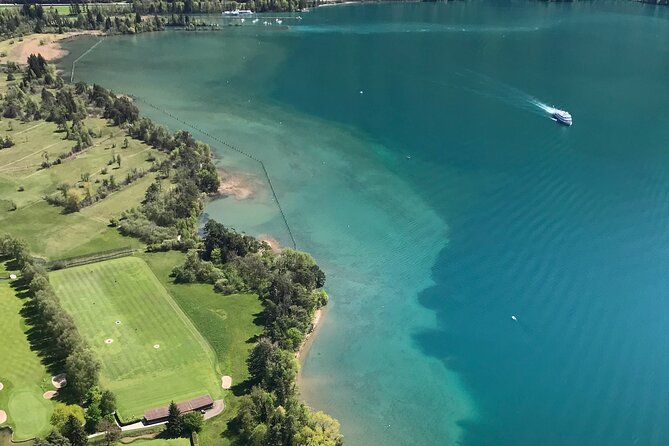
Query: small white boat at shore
[(561, 116), (238, 13)]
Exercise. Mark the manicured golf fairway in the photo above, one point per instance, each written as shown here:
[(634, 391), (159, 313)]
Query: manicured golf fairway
[(163, 442), (21, 372), (156, 354)]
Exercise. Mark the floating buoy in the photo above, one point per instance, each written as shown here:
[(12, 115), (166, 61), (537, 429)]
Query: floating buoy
[(362, 92)]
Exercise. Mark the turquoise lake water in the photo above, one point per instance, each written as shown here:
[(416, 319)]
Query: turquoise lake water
[(412, 159)]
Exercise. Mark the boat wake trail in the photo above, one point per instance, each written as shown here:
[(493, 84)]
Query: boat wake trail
[(487, 87)]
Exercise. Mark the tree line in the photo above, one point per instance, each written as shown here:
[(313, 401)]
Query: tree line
[(112, 19), (218, 6), (291, 286), (57, 337), (61, 345)]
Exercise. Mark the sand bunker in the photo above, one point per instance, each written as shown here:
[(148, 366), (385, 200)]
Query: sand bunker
[(108, 341), (2, 386), (156, 345), (118, 322), (59, 381), (3, 416), (226, 382), (12, 276), (49, 394)]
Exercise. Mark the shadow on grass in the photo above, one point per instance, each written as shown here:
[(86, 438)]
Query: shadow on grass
[(242, 388), (39, 338)]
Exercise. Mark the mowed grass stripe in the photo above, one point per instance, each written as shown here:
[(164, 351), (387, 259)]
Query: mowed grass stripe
[(125, 289)]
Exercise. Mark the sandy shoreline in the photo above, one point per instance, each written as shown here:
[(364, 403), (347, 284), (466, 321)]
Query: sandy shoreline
[(271, 241), (48, 45), (240, 186), (309, 337)]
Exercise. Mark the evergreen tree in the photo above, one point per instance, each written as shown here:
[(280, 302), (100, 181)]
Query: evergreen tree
[(107, 403), (175, 422), (74, 431)]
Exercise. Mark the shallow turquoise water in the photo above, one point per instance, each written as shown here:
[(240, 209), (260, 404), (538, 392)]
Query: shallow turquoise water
[(411, 159)]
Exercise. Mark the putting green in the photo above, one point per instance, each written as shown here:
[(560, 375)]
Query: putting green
[(125, 290), (21, 372)]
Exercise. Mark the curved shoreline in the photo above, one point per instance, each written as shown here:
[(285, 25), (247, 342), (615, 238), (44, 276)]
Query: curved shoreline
[(309, 337), (48, 45)]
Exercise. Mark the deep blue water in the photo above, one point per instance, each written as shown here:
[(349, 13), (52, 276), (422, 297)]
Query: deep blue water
[(412, 160)]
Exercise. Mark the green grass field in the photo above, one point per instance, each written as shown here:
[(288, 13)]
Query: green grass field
[(21, 372), (126, 290), (23, 185), (163, 442), (229, 323)]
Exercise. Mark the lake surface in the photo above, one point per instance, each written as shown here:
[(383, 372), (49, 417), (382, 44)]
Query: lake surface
[(412, 158)]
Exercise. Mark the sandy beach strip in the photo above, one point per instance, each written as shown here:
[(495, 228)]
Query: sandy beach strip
[(48, 45), (308, 338), (271, 241)]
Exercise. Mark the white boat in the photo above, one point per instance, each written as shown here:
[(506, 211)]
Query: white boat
[(561, 116), (255, 20), (238, 13)]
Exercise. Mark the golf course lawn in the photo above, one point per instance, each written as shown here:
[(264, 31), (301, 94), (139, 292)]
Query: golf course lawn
[(22, 374), (24, 184), (229, 323), (157, 355), (163, 442)]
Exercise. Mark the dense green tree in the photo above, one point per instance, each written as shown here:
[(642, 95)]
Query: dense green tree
[(175, 422), (74, 431), (93, 412), (55, 438), (122, 111), (321, 430), (107, 403), (192, 422), (82, 370), (230, 243)]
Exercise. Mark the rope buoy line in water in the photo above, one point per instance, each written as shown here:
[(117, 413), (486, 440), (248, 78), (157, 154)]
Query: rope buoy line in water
[(80, 57), (226, 144), (236, 149)]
